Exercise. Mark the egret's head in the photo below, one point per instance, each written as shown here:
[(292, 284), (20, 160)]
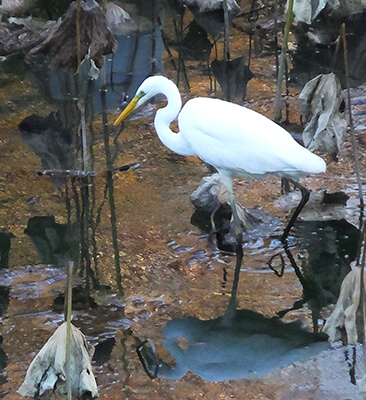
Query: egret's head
[(148, 89)]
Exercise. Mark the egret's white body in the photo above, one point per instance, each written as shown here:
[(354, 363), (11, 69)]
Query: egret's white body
[(235, 140), (242, 142)]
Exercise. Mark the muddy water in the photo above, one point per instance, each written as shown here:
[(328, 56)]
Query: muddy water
[(145, 271)]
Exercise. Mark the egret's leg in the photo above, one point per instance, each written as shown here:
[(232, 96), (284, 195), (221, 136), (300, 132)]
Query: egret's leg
[(305, 194), (212, 220), (228, 182)]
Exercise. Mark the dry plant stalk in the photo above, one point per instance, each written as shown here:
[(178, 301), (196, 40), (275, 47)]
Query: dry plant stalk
[(281, 70), (342, 35)]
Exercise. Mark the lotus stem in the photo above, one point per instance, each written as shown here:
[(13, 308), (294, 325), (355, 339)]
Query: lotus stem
[(352, 130), (281, 69)]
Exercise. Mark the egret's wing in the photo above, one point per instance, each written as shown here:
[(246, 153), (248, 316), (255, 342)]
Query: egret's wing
[(238, 139)]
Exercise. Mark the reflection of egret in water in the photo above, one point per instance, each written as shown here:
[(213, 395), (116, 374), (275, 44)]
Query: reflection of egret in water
[(250, 346), (240, 344), (329, 247)]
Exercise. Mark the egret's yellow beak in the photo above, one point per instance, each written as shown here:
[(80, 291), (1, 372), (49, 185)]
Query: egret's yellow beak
[(130, 107)]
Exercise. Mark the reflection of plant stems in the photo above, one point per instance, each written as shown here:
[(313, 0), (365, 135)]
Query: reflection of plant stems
[(68, 330), (85, 223), (77, 215), (91, 112), (82, 216), (83, 135), (67, 203), (78, 218), (109, 184), (93, 227), (353, 136), (281, 69), (112, 208), (80, 89), (92, 223)]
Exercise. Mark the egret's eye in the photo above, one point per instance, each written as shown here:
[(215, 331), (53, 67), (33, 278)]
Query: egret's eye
[(141, 94)]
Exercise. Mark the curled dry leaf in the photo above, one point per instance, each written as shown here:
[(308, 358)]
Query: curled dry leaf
[(307, 10), (346, 323), (47, 372), (320, 105), (16, 7), (212, 5), (116, 15), (211, 193)]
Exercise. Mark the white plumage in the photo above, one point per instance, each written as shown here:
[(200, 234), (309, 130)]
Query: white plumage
[(235, 140)]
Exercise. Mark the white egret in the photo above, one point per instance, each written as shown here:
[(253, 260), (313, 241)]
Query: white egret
[(237, 141)]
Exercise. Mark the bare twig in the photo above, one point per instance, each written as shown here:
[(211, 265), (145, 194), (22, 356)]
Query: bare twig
[(81, 103), (352, 130), (281, 70), (226, 31)]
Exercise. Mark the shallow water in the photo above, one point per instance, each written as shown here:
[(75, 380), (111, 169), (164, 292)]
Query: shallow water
[(146, 271)]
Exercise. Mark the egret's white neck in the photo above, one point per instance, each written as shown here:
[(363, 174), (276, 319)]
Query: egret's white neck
[(164, 116)]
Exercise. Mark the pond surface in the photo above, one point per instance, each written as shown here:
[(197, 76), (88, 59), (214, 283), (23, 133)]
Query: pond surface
[(148, 277)]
